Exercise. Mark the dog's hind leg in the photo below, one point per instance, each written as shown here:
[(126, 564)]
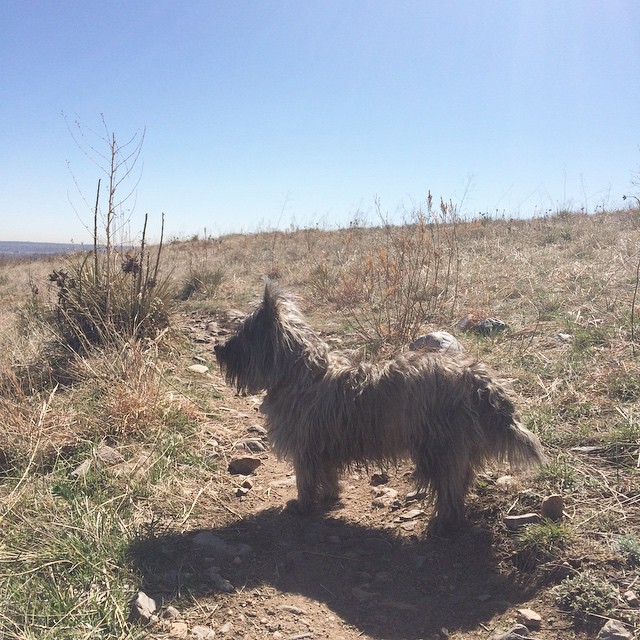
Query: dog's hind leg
[(449, 479), (329, 485)]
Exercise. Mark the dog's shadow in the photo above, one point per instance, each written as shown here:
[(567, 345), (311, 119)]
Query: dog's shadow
[(385, 586)]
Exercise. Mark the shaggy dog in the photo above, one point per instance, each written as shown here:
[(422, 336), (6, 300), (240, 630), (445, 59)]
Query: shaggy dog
[(327, 412)]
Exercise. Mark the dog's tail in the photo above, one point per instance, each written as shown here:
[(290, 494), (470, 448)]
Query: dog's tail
[(507, 439)]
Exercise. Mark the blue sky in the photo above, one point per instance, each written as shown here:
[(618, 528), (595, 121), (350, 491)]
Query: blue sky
[(259, 115)]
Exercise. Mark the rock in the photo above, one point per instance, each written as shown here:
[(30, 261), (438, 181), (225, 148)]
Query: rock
[(143, 608), (379, 478), (515, 633), (243, 465), (198, 368), (489, 326), (259, 429), (289, 608), (564, 338), (220, 583), (506, 481), (170, 613), (384, 497), (631, 599), (247, 483), (227, 627), (178, 630), (109, 455), (552, 507), (411, 514), (241, 492), (514, 523), (436, 341), (202, 633), (614, 630), (252, 445), (529, 618)]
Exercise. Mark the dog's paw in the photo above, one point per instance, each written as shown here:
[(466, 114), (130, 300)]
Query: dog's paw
[(297, 508)]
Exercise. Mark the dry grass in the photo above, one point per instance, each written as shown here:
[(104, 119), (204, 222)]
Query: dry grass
[(569, 274)]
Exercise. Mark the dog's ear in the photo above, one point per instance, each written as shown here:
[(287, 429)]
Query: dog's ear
[(271, 300)]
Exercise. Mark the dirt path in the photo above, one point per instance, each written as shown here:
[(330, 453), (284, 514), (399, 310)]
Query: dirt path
[(245, 568)]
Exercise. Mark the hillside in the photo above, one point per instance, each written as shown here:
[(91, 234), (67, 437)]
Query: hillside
[(115, 462)]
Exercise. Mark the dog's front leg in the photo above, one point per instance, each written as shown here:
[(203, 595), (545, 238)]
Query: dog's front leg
[(307, 485)]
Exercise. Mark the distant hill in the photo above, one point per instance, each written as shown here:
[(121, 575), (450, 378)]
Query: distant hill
[(34, 249)]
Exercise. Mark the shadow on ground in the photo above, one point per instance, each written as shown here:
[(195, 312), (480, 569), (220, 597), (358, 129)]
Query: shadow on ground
[(384, 586)]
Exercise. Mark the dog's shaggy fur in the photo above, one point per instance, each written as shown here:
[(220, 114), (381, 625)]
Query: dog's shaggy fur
[(327, 412)]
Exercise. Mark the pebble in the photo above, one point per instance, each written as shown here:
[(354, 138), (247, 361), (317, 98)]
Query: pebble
[(614, 630), (529, 618), (198, 368), (631, 599), (178, 630), (436, 341), (552, 507), (226, 628), (143, 608), (202, 633), (289, 608), (411, 514), (243, 465)]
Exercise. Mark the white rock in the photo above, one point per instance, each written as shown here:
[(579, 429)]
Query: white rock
[(614, 630), (198, 368)]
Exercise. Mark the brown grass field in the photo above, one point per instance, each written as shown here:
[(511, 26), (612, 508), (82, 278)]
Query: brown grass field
[(114, 459)]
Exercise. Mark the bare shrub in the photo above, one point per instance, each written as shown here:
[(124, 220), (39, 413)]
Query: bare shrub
[(402, 277)]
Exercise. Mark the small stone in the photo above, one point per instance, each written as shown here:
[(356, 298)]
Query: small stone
[(385, 496), (257, 428), (411, 514), (379, 478), (247, 483), (505, 481), (253, 445), (614, 630), (243, 465), (552, 507), (170, 613), (529, 618), (219, 582), (514, 523), (631, 599), (241, 492), (489, 326), (564, 338), (515, 633), (178, 630), (198, 368), (289, 608), (143, 608), (109, 455), (227, 627), (436, 341), (202, 633)]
